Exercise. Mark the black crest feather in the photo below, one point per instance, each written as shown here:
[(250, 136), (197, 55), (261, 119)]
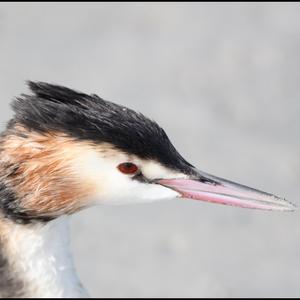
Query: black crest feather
[(56, 108)]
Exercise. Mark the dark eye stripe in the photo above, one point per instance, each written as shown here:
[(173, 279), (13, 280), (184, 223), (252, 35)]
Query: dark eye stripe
[(141, 178)]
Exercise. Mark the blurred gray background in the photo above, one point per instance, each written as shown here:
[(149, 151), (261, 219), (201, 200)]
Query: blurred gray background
[(223, 81)]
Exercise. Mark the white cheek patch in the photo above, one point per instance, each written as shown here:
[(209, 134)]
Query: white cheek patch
[(154, 170), (92, 165), (113, 187), (137, 192)]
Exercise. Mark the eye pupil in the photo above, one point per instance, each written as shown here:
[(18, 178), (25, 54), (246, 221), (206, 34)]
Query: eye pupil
[(128, 168)]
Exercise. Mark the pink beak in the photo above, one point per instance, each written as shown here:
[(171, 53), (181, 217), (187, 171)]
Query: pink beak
[(210, 188)]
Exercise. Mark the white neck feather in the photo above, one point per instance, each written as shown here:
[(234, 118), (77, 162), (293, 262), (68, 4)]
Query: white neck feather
[(40, 256)]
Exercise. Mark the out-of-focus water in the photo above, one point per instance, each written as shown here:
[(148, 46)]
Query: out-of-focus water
[(223, 81)]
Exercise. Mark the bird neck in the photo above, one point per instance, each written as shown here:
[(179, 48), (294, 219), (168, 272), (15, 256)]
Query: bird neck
[(36, 261)]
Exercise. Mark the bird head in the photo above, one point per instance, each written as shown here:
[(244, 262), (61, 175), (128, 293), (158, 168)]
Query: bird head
[(64, 150)]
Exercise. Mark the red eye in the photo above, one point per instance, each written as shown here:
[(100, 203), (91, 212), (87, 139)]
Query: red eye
[(128, 168)]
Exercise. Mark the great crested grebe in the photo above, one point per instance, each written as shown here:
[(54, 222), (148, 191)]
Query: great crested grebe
[(64, 150)]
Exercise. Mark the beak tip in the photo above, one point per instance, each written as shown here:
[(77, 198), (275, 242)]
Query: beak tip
[(291, 207), (285, 205)]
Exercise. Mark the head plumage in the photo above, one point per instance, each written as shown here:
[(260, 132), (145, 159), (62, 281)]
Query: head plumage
[(54, 108)]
